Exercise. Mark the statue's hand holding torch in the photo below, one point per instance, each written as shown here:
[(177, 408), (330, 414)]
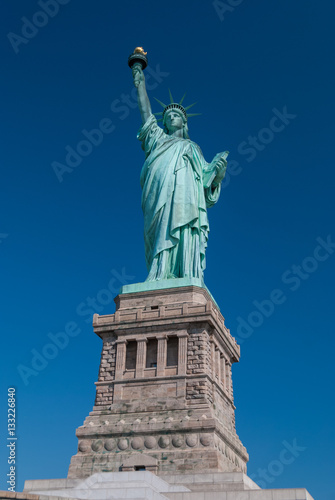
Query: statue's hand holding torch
[(138, 74), (138, 61)]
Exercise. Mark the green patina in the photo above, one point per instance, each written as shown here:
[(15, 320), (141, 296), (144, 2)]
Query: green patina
[(178, 186)]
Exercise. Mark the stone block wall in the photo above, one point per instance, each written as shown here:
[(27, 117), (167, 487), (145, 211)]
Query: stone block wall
[(172, 403), (104, 393)]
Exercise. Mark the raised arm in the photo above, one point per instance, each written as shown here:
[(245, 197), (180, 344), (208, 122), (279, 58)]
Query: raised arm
[(142, 96)]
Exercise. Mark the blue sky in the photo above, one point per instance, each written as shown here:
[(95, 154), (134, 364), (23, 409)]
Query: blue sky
[(263, 78)]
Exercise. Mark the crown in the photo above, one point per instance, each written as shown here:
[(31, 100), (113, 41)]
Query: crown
[(175, 105)]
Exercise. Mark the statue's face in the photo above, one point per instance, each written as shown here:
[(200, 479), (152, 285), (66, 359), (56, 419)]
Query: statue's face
[(173, 121)]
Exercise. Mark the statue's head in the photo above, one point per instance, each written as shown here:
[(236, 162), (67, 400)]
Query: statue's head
[(175, 119), (178, 112)]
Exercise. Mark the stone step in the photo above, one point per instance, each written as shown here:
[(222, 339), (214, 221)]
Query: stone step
[(282, 494), (139, 485)]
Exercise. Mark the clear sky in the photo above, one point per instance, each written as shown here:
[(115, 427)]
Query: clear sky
[(263, 77)]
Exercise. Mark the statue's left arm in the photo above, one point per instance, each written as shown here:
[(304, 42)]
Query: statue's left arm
[(213, 175), (220, 166)]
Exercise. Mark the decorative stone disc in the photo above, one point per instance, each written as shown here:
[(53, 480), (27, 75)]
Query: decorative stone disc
[(122, 444), (164, 441), (205, 440), (150, 442), (110, 444), (191, 440), (97, 445), (137, 443), (177, 441), (83, 446)]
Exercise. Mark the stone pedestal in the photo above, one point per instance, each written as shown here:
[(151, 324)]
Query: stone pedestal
[(163, 425), (144, 485), (164, 400)]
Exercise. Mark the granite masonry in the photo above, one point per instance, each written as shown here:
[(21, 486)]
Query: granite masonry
[(164, 397)]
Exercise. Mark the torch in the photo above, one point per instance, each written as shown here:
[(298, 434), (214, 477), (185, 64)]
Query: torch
[(138, 57)]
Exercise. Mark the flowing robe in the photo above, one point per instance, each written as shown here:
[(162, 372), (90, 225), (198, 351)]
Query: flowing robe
[(174, 203)]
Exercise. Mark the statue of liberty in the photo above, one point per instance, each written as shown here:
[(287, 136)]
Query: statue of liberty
[(178, 186)]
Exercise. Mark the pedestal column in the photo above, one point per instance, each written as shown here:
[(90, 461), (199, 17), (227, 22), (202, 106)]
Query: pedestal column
[(161, 356), (140, 357), (120, 362), (223, 372), (182, 353), (218, 365), (228, 378), (213, 358)]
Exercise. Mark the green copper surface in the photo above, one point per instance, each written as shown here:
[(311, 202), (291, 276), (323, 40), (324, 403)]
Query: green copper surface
[(178, 186), (147, 286)]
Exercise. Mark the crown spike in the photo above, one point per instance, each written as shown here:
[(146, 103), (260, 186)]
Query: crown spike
[(171, 98), (181, 101), (176, 106), (160, 102), (190, 106)]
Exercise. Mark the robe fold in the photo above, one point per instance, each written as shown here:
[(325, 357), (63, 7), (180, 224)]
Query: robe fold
[(174, 204)]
